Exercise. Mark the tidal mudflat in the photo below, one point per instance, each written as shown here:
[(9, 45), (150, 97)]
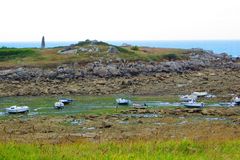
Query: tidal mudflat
[(94, 123)]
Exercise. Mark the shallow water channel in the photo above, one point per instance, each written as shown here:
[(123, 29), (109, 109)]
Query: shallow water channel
[(44, 105)]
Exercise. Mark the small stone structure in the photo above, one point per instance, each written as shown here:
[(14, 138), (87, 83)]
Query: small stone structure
[(43, 43)]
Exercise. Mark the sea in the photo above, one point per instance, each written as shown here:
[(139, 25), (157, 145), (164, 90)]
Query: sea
[(231, 47)]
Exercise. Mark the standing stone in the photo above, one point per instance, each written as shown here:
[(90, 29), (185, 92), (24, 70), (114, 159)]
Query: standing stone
[(43, 43)]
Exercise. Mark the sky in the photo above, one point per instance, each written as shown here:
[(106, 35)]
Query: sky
[(74, 20)]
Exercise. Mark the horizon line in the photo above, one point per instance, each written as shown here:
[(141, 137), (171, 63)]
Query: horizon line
[(124, 40)]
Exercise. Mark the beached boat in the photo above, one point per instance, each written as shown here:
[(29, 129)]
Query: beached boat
[(200, 94), (193, 104), (122, 101), (227, 104), (65, 100), (187, 98), (17, 109), (236, 100), (58, 105)]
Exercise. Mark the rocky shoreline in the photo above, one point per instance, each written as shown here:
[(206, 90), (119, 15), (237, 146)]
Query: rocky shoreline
[(120, 76), (120, 68)]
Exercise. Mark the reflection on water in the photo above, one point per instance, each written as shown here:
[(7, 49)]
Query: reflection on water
[(146, 115), (215, 119)]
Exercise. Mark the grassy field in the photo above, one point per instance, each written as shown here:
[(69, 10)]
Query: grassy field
[(136, 149)]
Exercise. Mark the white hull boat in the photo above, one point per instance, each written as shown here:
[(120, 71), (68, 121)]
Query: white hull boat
[(16, 109), (194, 104), (58, 105), (200, 94), (65, 100), (187, 98), (227, 104), (236, 100), (122, 101)]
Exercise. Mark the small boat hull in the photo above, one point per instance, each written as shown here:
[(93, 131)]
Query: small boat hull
[(200, 94), (17, 110), (22, 112), (122, 101), (237, 103), (66, 101), (194, 105), (188, 98), (236, 100), (59, 105)]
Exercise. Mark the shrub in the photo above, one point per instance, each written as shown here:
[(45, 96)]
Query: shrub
[(135, 48), (171, 57)]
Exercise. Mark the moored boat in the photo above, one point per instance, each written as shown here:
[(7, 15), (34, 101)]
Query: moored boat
[(187, 98), (200, 94), (58, 105), (17, 109), (65, 100), (227, 104), (236, 100), (122, 101), (193, 104)]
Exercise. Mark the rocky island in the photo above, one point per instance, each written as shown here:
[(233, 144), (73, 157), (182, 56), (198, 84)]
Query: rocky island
[(98, 68)]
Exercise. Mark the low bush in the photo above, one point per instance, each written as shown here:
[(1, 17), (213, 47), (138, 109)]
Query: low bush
[(10, 54), (135, 48)]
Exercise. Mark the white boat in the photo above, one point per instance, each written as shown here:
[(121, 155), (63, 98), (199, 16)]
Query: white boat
[(16, 109), (193, 104), (200, 94), (65, 100), (122, 101), (210, 96), (187, 98), (227, 104), (58, 105), (236, 100)]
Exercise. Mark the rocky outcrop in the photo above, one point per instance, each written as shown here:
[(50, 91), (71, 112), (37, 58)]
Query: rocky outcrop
[(119, 68), (113, 50), (225, 112), (217, 74)]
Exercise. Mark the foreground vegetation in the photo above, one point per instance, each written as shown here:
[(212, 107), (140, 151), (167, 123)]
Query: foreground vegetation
[(138, 149)]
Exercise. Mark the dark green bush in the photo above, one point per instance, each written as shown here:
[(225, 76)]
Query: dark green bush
[(135, 48), (171, 57)]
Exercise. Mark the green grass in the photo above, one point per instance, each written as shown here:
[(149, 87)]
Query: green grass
[(135, 149), (11, 53)]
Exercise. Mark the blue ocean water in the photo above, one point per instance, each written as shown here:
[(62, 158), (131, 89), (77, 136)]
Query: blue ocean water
[(35, 44), (231, 47)]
